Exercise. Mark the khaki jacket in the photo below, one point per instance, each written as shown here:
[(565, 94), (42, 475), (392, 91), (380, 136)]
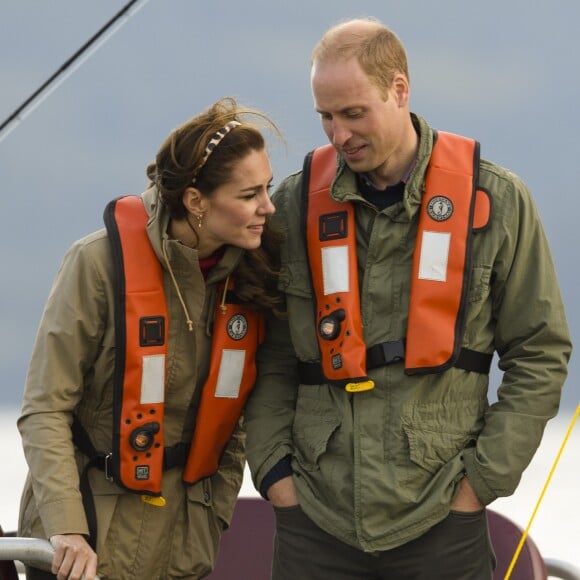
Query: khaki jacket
[(71, 373), (379, 468)]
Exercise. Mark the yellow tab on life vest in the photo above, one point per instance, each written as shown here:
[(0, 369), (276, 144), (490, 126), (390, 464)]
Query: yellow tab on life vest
[(330, 227), (157, 501), (359, 387)]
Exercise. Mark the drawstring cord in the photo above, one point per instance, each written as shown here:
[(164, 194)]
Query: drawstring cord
[(223, 306), (176, 286)]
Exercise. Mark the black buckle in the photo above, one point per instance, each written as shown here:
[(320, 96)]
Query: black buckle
[(175, 456), (393, 351)]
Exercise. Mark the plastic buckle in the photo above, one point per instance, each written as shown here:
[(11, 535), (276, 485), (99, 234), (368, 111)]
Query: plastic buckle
[(393, 351)]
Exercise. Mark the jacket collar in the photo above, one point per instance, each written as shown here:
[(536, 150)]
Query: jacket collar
[(416, 184)]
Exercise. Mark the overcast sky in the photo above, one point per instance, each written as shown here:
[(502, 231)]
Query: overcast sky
[(505, 73)]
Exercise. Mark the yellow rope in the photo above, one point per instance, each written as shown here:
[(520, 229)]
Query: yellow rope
[(525, 534)]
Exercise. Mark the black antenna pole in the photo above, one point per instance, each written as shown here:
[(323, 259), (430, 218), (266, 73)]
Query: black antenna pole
[(67, 64)]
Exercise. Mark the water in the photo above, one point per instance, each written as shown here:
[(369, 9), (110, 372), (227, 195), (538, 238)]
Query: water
[(555, 528)]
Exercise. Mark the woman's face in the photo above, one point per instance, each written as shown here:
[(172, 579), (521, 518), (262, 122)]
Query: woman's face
[(236, 211)]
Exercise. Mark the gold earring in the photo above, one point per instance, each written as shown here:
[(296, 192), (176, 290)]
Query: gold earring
[(199, 220)]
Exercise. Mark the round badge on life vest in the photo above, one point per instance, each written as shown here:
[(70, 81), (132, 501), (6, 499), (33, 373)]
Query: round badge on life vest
[(440, 208), (237, 327)]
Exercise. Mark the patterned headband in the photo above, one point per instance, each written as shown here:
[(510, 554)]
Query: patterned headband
[(212, 144)]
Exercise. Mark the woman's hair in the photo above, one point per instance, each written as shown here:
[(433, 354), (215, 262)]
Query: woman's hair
[(258, 272), (183, 161), (376, 47)]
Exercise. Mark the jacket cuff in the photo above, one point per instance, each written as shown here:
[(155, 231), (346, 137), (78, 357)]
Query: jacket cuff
[(281, 470), (63, 517), (485, 494)]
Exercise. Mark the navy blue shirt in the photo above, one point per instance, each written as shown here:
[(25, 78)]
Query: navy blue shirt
[(382, 198)]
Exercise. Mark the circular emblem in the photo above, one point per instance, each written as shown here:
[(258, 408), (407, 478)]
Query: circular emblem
[(440, 208), (237, 327)]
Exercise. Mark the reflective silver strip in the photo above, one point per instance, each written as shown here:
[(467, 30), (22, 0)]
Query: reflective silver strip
[(335, 269), (230, 374), (153, 379), (434, 256)]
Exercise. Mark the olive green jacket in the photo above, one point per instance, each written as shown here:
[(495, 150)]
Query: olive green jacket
[(378, 468), (71, 374)]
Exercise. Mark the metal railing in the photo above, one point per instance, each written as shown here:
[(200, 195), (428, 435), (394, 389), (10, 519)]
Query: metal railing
[(562, 570), (30, 551), (39, 554)]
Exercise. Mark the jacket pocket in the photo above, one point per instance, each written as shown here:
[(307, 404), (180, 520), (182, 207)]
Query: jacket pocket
[(197, 541), (437, 432), (200, 492), (311, 435)]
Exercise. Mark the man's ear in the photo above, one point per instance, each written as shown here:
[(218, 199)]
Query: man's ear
[(400, 87)]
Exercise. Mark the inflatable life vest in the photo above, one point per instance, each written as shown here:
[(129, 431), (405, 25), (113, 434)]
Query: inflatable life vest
[(452, 209), (138, 454)]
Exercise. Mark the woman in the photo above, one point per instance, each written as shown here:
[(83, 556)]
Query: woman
[(131, 470)]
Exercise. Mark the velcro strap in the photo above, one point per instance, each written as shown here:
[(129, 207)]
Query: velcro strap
[(393, 351), (472, 360), (174, 456)]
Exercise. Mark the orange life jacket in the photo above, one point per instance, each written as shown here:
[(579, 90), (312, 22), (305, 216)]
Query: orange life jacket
[(452, 209), (141, 326)]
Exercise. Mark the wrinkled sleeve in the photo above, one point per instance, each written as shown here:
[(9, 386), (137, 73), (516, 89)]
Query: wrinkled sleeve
[(270, 408), (533, 344), (227, 481), (65, 348), (269, 412)]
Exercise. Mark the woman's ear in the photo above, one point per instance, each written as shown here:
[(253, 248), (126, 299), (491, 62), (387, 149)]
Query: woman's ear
[(193, 201)]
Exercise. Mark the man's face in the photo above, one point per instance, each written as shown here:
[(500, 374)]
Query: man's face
[(364, 123)]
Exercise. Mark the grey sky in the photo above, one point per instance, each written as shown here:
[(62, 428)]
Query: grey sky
[(505, 73)]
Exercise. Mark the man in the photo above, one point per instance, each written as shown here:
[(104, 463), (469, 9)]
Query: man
[(370, 430)]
